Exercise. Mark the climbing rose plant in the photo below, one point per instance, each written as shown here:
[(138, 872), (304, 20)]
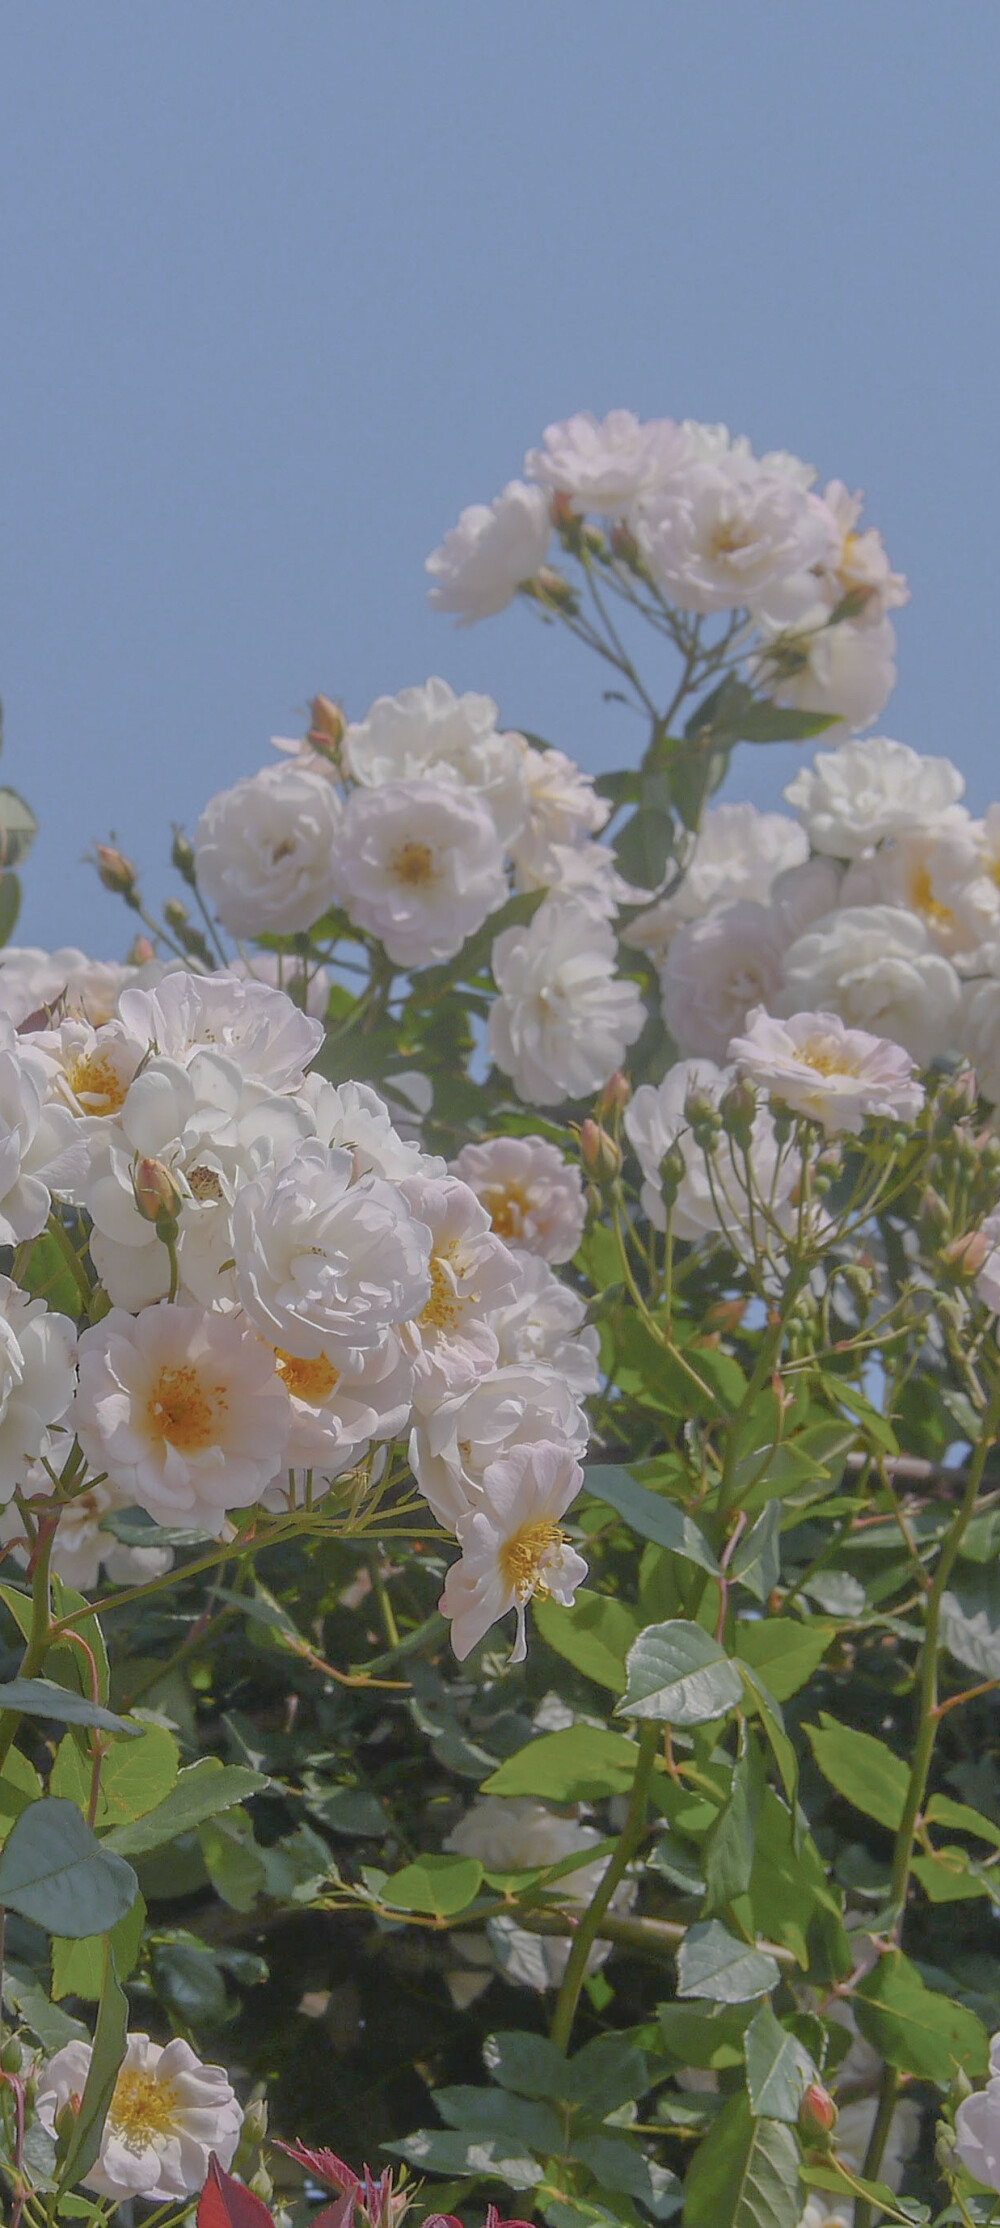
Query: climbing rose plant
[(499, 1396)]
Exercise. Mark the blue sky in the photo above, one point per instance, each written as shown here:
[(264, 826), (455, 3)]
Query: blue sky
[(283, 287)]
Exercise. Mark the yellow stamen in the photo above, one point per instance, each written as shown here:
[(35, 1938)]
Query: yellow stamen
[(413, 863), (180, 1413), (93, 1082), (142, 2108), (312, 1381), (443, 1310), (507, 1206), (524, 1556), (923, 900)]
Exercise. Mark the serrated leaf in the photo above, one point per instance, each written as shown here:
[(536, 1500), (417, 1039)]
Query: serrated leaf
[(650, 1515), (594, 1634), (918, 2029), (644, 847), (580, 1764), (528, 2064), (201, 1791), (860, 1768), (438, 1885), (779, 2069), (728, 1847), (608, 2072), (449, 2151), (783, 1651), (54, 1871), (962, 1818), (970, 1620), (780, 723), (679, 1675), (135, 1775), (745, 2174), (714, 1964), (756, 1561), (42, 1698)]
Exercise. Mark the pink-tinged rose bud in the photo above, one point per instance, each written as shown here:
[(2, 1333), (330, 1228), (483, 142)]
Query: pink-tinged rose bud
[(600, 1157), (140, 952), (115, 871), (562, 514), (328, 724), (625, 547), (552, 588), (156, 1192), (817, 2111), (965, 1255), (615, 1096)]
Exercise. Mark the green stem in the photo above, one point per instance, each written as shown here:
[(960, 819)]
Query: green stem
[(587, 1931), (40, 1636)]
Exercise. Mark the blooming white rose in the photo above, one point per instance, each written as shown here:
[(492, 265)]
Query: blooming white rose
[(37, 1379), (336, 1413), (604, 465), (513, 1833), (326, 1265), (210, 1128), (847, 671), (184, 1410), (512, 1544), (716, 969), (41, 1149), (979, 1030), (495, 546), (430, 734), (167, 2115), (264, 851), (89, 1069), (837, 1076), (564, 811), (853, 797), (938, 872), (588, 871), (977, 2126), (719, 536), (710, 444), (65, 982), (543, 1322), (254, 1023), (354, 1116), (563, 1018), (452, 1448), (711, 1196), (534, 1198), (451, 1340), (876, 967), (307, 985), (420, 866), (803, 894), (860, 569), (737, 854)]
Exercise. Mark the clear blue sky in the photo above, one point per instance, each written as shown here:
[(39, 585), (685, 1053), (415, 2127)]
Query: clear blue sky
[(284, 286)]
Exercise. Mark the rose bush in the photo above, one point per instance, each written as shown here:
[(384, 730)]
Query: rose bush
[(499, 1398)]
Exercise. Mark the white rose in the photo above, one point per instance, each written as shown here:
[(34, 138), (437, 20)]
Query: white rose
[(716, 969), (737, 853), (563, 811), (452, 1340), (543, 1322), (451, 1449), (563, 1018), (837, 1076), (875, 966), (719, 536), (184, 1411), (420, 866), (354, 1116), (979, 1029), (37, 1379), (254, 1023), (513, 1543), (938, 872), (711, 1196), (430, 734), (66, 982), (852, 798), (495, 546), (859, 568), (42, 1151), (847, 671), (264, 851), (534, 1198), (307, 985), (167, 2115), (326, 1264), (605, 465)]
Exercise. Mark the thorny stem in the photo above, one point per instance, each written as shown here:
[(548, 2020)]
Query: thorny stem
[(587, 1931)]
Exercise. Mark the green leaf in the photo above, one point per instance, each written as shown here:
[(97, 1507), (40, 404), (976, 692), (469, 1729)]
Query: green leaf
[(970, 1620), (10, 905), (135, 1775), (712, 1963), (773, 1723), (78, 1967), (650, 1515), (779, 2070), (951, 1876), (861, 1768), (779, 723), (870, 1418), (452, 2151), (644, 847), (19, 1786), (694, 777), (756, 1561), (54, 1870), (487, 2112), (18, 828), (594, 1635), (235, 1865), (721, 713), (608, 2072), (23, 1993), (42, 1698), (745, 2174), (189, 1981), (46, 1274), (680, 1675), (528, 2064), (785, 1652), (437, 1885), (728, 1847), (917, 2029), (580, 1764), (699, 2035), (941, 1811), (202, 1791), (99, 2087)]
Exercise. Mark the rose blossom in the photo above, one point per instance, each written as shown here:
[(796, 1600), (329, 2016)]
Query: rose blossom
[(534, 1198), (452, 1448), (264, 851), (716, 969), (512, 1545), (184, 1410), (37, 1379), (853, 797), (326, 1263), (451, 1340), (604, 465), (875, 966), (430, 734), (737, 853), (563, 811), (482, 560), (563, 1018), (837, 1076), (253, 1023), (167, 2115), (937, 872), (419, 866), (719, 536), (711, 1193)]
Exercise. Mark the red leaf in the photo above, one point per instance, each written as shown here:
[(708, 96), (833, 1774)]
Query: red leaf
[(225, 2203), (326, 2166), (338, 2215)]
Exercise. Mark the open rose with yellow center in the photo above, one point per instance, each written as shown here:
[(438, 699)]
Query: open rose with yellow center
[(513, 1545), (168, 2113)]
